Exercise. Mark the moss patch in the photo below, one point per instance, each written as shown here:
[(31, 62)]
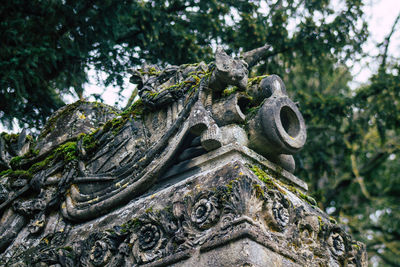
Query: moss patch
[(190, 83), (9, 138), (301, 195), (89, 142), (15, 161), (230, 90), (332, 220), (151, 71), (116, 124), (18, 174), (5, 172), (271, 183), (256, 80), (69, 151), (42, 164), (259, 191), (321, 223), (149, 210), (263, 176), (66, 152)]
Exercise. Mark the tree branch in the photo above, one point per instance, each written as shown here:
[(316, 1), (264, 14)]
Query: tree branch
[(387, 42)]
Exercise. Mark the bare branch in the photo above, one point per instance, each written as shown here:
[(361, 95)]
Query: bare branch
[(387, 42)]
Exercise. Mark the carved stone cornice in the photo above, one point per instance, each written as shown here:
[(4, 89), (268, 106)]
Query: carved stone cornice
[(210, 211)]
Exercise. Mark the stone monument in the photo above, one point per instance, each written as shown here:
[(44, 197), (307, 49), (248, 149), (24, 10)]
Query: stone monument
[(197, 172)]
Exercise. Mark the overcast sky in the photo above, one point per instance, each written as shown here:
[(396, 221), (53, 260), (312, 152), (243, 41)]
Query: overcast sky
[(380, 15)]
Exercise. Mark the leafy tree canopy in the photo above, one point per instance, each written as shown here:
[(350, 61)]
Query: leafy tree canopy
[(351, 158)]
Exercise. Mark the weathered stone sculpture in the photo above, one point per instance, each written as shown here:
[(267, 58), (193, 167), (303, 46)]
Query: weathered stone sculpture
[(198, 172)]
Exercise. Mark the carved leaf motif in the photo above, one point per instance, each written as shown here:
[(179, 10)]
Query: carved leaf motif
[(245, 199)]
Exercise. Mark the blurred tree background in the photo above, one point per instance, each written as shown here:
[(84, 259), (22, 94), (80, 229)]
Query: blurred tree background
[(350, 161)]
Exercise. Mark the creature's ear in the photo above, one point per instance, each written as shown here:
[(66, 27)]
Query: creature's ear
[(222, 60), (252, 57)]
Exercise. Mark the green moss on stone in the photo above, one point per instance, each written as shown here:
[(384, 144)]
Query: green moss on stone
[(256, 80), (332, 220), (263, 176), (149, 210), (5, 172), (41, 164), (252, 111), (66, 152), (259, 191), (15, 161), (190, 65), (20, 174), (69, 151), (9, 138), (230, 90), (89, 143), (301, 195), (321, 223), (116, 124), (151, 71)]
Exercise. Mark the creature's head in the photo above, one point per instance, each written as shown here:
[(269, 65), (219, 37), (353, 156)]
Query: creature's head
[(228, 71)]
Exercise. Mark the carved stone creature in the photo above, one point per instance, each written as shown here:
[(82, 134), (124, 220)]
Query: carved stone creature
[(228, 71)]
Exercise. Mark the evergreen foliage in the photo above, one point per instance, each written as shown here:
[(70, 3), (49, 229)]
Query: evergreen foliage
[(48, 46)]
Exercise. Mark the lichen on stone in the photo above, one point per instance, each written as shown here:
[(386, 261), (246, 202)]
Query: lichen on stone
[(256, 80)]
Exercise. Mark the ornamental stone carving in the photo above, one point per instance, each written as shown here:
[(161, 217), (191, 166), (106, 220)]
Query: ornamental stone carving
[(205, 211), (197, 172)]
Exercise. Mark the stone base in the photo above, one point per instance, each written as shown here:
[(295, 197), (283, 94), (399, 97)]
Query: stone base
[(242, 252)]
